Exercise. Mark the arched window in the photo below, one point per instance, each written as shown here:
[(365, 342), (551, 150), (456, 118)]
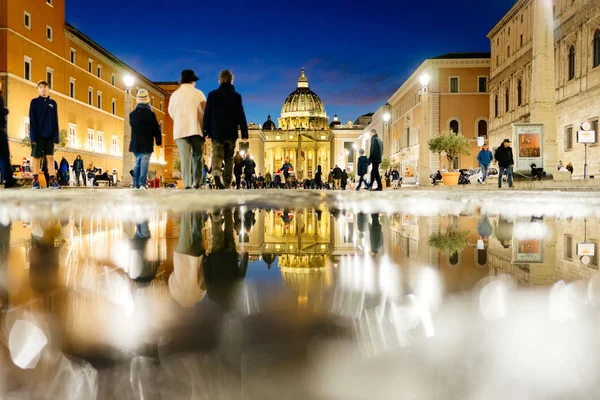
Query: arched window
[(454, 126), (507, 100), (496, 106), (482, 128), (519, 93), (597, 48), (572, 62)]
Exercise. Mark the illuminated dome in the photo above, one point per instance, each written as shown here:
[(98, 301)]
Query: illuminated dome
[(269, 125), (335, 122), (303, 109)]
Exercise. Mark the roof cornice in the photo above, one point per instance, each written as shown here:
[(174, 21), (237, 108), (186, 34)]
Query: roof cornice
[(508, 16)]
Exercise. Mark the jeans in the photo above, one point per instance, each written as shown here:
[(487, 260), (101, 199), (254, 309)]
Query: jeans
[(190, 153), (484, 172), (361, 181), (375, 177), (190, 235), (501, 172), (140, 171), (223, 152), (7, 172)]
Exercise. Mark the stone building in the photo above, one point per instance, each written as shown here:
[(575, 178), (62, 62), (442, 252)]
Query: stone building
[(85, 79), (574, 70)]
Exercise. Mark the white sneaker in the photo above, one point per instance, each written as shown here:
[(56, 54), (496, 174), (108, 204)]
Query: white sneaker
[(143, 188)]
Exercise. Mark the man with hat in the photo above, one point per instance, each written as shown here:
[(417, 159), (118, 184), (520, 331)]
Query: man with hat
[(504, 158), (186, 108)]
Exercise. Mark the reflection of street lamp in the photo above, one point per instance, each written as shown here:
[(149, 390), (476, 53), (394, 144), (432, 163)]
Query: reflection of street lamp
[(127, 156)]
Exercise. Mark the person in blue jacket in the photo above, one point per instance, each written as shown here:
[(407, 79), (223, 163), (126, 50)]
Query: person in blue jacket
[(485, 158)]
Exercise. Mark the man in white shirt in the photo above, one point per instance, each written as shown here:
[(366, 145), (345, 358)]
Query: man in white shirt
[(186, 108)]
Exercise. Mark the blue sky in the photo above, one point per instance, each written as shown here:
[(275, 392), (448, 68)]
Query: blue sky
[(355, 54)]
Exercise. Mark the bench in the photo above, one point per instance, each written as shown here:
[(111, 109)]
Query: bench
[(102, 183)]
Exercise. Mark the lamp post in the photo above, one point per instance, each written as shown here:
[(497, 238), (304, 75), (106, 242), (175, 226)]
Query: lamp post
[(127, 179), (424, 160), (354, 159), (386, 129)]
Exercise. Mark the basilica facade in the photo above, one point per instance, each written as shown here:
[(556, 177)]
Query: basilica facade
[(304, 136)]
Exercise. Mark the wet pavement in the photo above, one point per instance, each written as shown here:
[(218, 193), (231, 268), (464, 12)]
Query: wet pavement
[(299, 295)]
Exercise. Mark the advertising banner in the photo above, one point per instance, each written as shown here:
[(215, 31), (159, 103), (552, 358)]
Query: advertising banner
[(528, 146)]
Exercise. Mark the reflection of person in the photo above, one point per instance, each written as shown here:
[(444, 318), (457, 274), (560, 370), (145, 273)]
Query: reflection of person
[(484, 228), (224, 268), (141, 269), (186, 283), (504, 232), (376, 233), (506, 161), (44, 256), (361, 224), (4, 252)]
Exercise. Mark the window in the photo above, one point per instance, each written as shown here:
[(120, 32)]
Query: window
[(519, 93), (507, 100), (27, 69), (160, 106), (594, 124), (49, 33), (72, 88), (496, 106), (112, 79), (114, 106), (152, 101), (594, 261), (72, 135), (99, 71), (454, 127), (90, 65), (482, 83), (509, 31), (90, 144), (90, 96), (597, 48), (568, 247), (454, 85), (26, 126), (72, 57), (407, 138), (50, 77), (497, 41), (99, 100), (571, 62), (115, 145), (497, 60), (568, 145), (482, 128), (508, 51), (100, 142), (27, 20), (521, 18), (521, 40)]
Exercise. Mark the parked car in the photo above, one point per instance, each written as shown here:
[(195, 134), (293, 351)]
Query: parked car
[(492, 174)]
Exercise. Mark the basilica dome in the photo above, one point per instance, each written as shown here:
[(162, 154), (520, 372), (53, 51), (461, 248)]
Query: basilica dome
[(303, 109), (269, 125)]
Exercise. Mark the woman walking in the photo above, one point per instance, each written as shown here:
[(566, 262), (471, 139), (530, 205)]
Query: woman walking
[(318, 178), (144, 131), (249, 168), (238, 168)]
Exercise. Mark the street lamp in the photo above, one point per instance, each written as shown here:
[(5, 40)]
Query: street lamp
[(387, 116), (424, 80), (126, 178)]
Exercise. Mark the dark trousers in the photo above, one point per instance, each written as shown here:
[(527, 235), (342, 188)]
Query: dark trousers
[(223, 153), (238, 180), (7, 173), (248, 182), (375, 177), (77, 174), (361, 181)]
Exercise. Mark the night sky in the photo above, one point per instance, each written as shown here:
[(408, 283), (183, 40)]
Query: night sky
[(355, 54)]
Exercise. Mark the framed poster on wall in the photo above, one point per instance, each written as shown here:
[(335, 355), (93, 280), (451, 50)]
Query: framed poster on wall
[(409, 169), (528, 251), (527, 146)]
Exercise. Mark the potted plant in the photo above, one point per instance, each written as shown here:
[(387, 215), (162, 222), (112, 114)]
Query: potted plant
[(452, 242), (452, 145)]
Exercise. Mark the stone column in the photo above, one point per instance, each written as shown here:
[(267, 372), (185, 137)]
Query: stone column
[(543, 97), (424, 135), (126, 179)]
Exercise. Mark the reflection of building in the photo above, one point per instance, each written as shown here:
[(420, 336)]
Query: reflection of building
[(567, 75), (85, 80)]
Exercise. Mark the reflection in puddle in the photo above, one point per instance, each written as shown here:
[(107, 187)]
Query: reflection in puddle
[(260, 303)]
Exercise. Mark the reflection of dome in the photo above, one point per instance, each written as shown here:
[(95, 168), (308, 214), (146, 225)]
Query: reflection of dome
[(303, 109), (269, 259), (304, 273), (269, 125), (335, 122)]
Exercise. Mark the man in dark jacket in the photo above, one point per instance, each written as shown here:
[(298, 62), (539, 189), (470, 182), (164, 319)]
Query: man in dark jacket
[(144, 131), (363, 168), (223, 116), (285, 169), (249, 167), (79, 169), (376, 156), (344, 180), (43, 134), (505, 160), (63, 172), (337, 176), (7, 172)]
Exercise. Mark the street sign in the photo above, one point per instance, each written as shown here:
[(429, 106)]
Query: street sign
[(480, 141), (588, 137), (585, 249)]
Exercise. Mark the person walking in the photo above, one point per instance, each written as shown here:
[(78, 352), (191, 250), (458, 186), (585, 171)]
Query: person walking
[(145, 130), (64, 172), (223, 118), (337, 176), (504, 158), (285, 169), (318, 178), (485, 158), (375, 157), (344, 179), (186, 108), (330, 180), (268, 180), (79, 169), (570, 169), (249, 169), (5, 165), (238, 168), (363, 168), (43, 134)]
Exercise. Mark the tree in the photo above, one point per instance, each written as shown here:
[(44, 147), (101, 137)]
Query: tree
[(63, 140), (453, 145), (386, 163)]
